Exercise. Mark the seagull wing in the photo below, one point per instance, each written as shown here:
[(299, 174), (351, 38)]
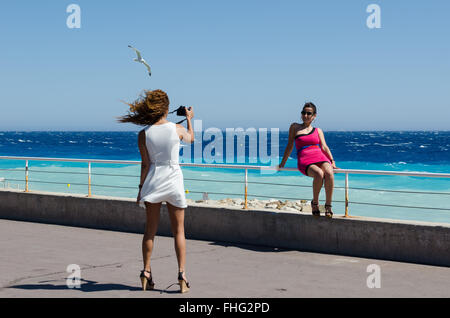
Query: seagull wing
[(148, 67), (139, 57)]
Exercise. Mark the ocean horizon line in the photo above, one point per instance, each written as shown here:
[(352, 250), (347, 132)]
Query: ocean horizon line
[(223, 129)]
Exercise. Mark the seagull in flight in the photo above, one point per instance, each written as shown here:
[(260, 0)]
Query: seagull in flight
[(141, 60)]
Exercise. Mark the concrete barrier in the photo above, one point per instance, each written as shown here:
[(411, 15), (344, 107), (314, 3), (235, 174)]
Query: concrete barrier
[(416, 242)]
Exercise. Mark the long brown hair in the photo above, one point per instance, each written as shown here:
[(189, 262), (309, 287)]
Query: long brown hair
[(147, 109)]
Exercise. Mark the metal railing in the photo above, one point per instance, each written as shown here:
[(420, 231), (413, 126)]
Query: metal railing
[(246, 168)]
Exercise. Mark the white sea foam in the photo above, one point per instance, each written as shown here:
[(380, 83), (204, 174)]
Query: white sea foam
[(358, 144), (393, 145), (386, 145)]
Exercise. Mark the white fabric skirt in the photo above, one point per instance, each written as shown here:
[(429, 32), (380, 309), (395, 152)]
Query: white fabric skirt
[(164, 183)]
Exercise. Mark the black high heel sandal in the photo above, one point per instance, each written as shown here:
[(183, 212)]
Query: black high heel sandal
[(184, 284), (315, 208), (147, 282), (328, 212)]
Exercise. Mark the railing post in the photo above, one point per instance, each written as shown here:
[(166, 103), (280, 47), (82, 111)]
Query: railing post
[(346, 195), (26, 175), (89, 180), (246, 185)]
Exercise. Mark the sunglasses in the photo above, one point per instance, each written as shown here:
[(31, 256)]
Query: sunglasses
[(307, 113)]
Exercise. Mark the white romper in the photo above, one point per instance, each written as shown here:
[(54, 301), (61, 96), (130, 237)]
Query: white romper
[(164, 181)]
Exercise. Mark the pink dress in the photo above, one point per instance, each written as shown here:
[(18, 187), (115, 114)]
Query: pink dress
[(309, 150)]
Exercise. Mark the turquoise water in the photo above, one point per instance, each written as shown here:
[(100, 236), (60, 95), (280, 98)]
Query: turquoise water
[(425, 151), (121, 181)]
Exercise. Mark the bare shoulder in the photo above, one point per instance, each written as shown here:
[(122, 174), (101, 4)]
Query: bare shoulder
[(179, 126), (294, 127), (292, 131)]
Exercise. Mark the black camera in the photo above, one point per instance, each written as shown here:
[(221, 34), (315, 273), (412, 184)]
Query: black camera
[(181, 111)]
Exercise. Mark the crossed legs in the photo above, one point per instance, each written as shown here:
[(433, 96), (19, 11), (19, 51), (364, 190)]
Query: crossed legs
[(322, 173)]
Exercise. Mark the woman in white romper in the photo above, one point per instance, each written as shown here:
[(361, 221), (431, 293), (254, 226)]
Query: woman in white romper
[(161, 175)]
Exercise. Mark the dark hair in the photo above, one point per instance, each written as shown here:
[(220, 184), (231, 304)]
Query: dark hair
[(311, 105), (147, 109)]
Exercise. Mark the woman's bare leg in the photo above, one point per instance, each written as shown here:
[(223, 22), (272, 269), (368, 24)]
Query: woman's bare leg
[(329, 181), (318, 175), (177, 224), (153, 213)]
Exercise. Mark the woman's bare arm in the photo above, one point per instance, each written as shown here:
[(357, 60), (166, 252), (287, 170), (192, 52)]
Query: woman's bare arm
[(145, 159), (325, 148), (187, 135), (290, 145)]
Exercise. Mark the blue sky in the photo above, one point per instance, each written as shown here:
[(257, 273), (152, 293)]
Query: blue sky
[(246, 63)]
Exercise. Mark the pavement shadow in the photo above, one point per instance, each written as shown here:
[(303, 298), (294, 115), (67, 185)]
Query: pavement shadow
[(88, 286), (85, 286), (254, 248)]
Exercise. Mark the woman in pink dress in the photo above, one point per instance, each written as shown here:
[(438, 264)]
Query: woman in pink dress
[(314, 158)]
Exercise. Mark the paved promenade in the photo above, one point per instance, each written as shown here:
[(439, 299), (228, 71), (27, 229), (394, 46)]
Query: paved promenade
[(34, 258)]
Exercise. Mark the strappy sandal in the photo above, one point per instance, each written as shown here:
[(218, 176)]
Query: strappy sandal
[(147, 282), (315, 208), (328, 212), (184, 284)]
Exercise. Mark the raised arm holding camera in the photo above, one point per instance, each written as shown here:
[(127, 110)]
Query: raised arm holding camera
[(188, 135)]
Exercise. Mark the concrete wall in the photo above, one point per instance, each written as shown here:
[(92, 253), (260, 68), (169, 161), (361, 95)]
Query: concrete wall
[(425, 243)]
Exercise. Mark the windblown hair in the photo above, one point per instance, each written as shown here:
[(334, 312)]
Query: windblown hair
[(311, 105), (147, 109)]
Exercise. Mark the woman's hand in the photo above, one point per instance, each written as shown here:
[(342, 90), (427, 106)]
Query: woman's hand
[(189, 112), (138, 199), (333, 164)]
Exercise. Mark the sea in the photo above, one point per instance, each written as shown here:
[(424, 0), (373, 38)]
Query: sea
[(378, 196)]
